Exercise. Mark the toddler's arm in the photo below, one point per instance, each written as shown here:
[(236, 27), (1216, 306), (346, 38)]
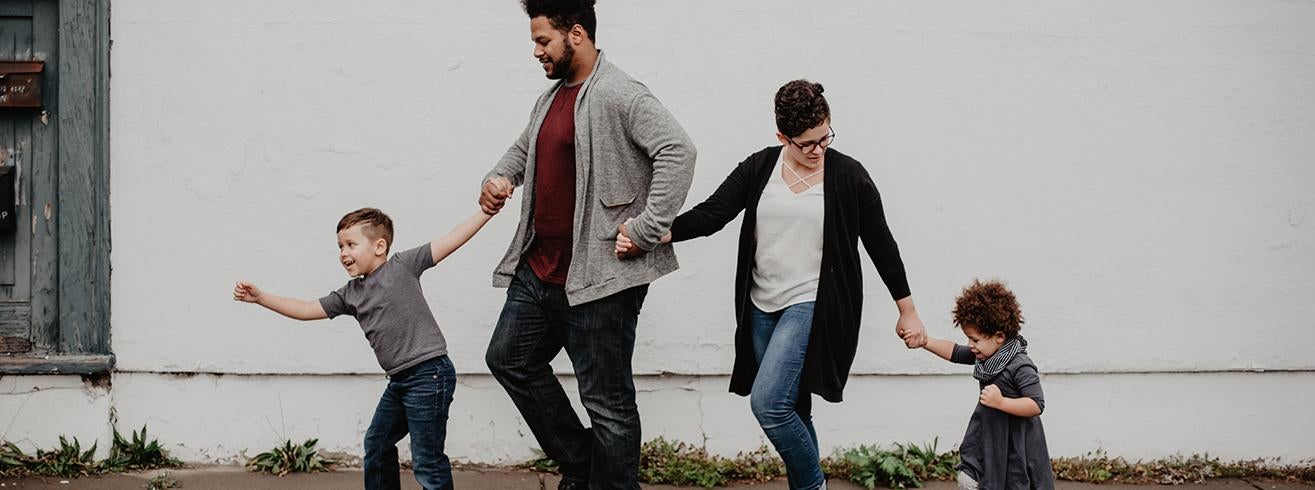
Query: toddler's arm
[(1018, 407), (949, 351), (292, 308), (446, 244)]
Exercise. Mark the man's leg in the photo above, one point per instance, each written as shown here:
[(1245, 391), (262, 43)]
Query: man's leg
[(600, 338), (523, 344), (386, 428)]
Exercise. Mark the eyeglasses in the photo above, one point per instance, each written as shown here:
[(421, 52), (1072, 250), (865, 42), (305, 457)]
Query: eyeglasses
[(823, 143)]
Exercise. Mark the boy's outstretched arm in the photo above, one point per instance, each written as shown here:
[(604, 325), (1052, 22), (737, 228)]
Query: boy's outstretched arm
[(292, 308), (446, 244)]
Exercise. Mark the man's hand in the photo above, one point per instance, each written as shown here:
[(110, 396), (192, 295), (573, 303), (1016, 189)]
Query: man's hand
[(246, 292), (625, 247), (991, 397), (494, 195)]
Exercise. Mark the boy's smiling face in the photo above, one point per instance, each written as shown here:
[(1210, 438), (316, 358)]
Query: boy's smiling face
[(982, 345), (358, 253)]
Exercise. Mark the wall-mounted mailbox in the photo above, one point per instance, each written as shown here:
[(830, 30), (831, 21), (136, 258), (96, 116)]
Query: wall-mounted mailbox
[(20, 84)]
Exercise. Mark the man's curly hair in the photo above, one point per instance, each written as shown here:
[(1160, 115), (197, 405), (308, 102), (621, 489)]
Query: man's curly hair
[(990, 307), (800, 107), (564, 14)]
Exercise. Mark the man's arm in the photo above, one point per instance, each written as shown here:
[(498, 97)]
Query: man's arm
[(653, 129), (443, 246), (295, 309), (507, 174)]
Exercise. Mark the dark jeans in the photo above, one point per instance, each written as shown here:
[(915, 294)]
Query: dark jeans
[(415, 401), (599, 337)]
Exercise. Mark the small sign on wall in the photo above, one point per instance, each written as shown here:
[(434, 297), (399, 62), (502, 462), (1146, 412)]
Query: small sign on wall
[(20, 84)]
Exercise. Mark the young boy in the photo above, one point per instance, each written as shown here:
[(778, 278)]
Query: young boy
[(384, 296), (1005, 445)]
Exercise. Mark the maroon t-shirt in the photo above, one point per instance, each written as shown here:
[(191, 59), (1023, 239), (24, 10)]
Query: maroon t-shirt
[(554, 190)]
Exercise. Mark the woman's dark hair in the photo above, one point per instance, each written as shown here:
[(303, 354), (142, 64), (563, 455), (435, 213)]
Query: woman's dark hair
[(990, 307), (564, 14), (800, 107)]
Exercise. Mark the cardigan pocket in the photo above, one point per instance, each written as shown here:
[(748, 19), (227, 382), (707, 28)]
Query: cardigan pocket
[(614, 213)]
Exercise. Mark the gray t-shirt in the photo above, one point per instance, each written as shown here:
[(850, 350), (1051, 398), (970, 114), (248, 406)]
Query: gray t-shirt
[(392, 310)]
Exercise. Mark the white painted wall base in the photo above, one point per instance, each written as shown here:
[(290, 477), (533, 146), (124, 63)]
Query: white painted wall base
[(219, 418)]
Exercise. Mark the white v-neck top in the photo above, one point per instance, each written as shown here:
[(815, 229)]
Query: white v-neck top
[(788, 259)]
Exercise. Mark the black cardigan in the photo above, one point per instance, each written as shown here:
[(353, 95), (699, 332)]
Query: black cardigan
[(852, 211)]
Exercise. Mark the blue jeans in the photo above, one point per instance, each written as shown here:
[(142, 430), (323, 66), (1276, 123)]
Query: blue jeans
[(415, 401), (780, 343), (536, 324)]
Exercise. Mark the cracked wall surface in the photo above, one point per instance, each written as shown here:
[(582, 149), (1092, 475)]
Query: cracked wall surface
[(1139, 173)]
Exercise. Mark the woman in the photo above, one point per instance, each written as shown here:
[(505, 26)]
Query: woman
[(798, 283)]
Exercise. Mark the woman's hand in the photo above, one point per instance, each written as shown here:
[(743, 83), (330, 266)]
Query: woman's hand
[(909, 327)]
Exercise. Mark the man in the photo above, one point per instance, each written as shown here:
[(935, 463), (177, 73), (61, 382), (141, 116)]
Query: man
[(600, 154)]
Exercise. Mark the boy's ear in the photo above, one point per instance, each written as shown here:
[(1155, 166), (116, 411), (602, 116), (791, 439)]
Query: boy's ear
[(781, 137), (380, 247)]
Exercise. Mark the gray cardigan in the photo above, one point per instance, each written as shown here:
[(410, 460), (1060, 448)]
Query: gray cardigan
[(632, 160)]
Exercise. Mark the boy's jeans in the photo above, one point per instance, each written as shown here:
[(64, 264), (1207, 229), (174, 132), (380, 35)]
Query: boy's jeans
[(780, 343), (415, 401), (537, 323)]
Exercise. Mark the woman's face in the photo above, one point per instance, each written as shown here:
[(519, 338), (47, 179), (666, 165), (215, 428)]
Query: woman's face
[(809, 147)]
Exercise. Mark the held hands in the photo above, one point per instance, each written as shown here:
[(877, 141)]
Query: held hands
[(991, 397), (246, 292), (909, 329), (494, 195), (625, 247)]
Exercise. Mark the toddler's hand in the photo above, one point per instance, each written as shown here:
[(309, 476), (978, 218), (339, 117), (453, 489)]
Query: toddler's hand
[(991, 396), (246, 292)]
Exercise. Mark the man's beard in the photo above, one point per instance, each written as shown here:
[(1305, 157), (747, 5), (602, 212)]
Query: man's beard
[(562, 67)]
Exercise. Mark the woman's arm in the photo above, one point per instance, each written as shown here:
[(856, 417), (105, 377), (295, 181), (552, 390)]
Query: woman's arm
[(711, 215)]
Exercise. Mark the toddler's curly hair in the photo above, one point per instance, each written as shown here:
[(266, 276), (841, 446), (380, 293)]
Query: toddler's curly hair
[(990, 307)]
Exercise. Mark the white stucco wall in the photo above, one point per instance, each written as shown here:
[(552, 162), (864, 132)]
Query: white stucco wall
[(1141, 173)]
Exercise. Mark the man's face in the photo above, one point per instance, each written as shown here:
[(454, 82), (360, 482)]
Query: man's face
[(552, 48)]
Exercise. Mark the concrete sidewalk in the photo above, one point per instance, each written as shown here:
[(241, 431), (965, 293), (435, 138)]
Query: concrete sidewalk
[(226, 478), (232, 477)]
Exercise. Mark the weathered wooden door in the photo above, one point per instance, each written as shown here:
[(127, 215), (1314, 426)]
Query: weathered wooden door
[(29, 151)]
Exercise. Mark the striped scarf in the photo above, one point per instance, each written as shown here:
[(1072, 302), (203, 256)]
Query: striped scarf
[(986, 370)]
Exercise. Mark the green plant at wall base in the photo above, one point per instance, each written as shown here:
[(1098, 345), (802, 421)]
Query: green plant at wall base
[(663, 462), (66, 462), (140, 453), (870, 466), (290, 458)]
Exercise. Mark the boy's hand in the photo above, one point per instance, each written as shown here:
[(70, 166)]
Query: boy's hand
[(246, 292), (494, 195), (991, 396)]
